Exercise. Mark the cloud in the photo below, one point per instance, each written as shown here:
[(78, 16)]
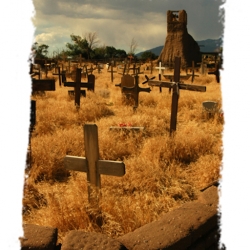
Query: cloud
[(118, 21)]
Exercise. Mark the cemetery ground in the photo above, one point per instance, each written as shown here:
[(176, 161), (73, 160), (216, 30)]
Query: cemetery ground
[(162, 171)]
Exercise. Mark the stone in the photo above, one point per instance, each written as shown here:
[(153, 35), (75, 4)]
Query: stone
[(179, 228), (76, 239), (38, 237)]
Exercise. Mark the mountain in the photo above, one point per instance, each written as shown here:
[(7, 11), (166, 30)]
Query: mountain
[(208, 45)]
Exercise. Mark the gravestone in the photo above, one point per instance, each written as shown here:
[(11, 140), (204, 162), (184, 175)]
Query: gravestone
[(135, 90), (43, 85), (210, 107), (126, 81)]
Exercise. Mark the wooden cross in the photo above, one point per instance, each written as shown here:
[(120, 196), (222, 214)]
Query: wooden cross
[(90, 85), (80, 60), (160, 71), (61, 76), (193, 70), (130, 58), (135, 90), (43, 85), (112, 71), (91, 164), (176, 86), (35, 70), (216, 72)]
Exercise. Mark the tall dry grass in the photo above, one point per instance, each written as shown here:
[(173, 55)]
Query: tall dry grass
[(162, 172)]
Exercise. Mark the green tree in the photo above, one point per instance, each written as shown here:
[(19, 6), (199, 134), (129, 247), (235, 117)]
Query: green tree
[(41, 51), (80, 46), (148, 55), (110, 51)]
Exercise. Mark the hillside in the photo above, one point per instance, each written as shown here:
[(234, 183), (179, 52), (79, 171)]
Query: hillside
[(208, 45)]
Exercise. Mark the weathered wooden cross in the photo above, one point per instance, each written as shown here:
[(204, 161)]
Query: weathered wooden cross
[(130, 58), (112, 71), (61, 76), (160, 71), (193, 74), (90, 85), (216, 72), (176, 86), (91, 164)]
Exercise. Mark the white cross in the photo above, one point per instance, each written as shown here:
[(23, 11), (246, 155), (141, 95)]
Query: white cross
[(160, 68)]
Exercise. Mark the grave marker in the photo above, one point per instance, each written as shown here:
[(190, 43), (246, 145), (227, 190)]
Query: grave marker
[(160, 71), (193, 74), (92, 165), (216, 72), (43, 85), (126, 81), (112, 71), (134, 90), (176, 86), (61, 76), (90, 85)]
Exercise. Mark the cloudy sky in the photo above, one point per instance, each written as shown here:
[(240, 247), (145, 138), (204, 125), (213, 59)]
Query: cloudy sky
[(117, 22)]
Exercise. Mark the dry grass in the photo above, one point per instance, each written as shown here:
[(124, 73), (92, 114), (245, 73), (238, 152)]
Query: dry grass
[(162, 172)]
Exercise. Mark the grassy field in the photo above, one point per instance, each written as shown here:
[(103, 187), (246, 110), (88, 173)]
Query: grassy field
[(162, 172)]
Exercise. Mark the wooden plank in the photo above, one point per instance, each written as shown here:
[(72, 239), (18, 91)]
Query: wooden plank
[(127, 128), (115, 168), (192, 87), (43, 85), (92, 154), (160, 84), (77, 87), (75, 163)]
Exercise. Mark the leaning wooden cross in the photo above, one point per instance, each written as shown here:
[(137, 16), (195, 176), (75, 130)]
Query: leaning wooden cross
[(176, 86), (91, 164), (90, 85)]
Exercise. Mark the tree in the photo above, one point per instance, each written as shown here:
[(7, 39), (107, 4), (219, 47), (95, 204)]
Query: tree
[(99, 52), (80, 46), (121, 53), (41, 51), (132, 47), (148, 55), (110, 51), (92, 40)]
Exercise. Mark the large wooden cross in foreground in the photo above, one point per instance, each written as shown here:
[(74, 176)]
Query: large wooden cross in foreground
[(91, 164), (176, 86)]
